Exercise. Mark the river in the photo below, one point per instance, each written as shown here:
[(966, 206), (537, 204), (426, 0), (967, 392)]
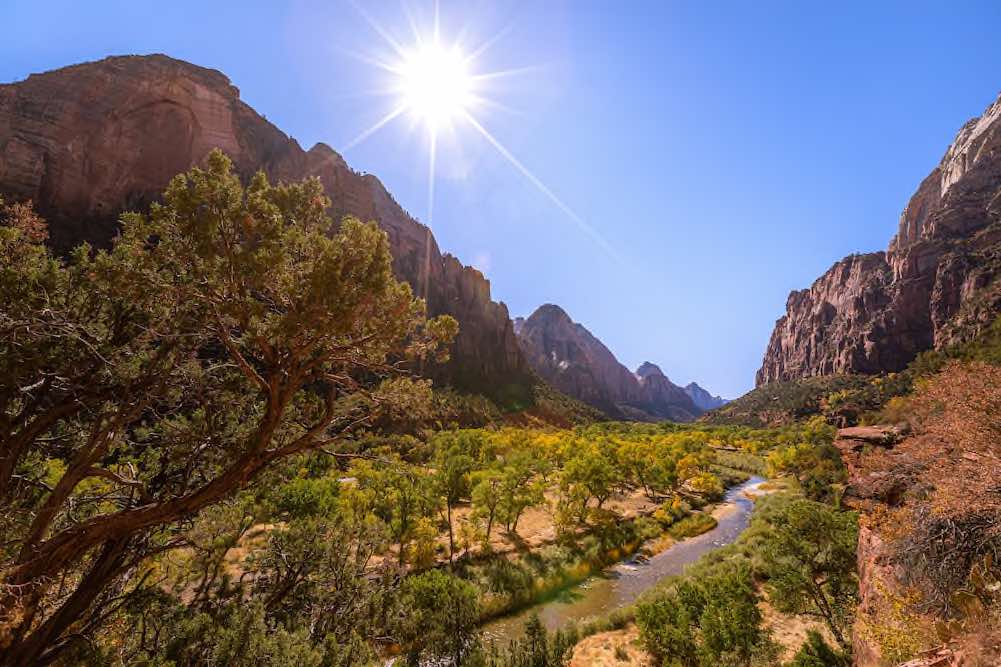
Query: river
[(621, 584)]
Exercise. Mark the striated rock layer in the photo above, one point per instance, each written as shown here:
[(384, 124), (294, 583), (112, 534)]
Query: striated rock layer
[(569, 357), (89, 141), (936, 285)]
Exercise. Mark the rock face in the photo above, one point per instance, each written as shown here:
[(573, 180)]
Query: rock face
[(566, 355), (936, 285), (662, 398), (703, 399), (89, 141)]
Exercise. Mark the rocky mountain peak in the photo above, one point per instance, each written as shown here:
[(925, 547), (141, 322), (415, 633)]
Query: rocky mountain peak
[(550, 313), (938, 283), (702, 398), (647, 369), (569, 357)]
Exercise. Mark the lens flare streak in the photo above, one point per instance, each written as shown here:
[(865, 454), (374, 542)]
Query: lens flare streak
[(436, 88), (543, 188)]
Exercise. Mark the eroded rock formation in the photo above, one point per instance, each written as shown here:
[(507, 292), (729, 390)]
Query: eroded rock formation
[(89, 141), (703, 399), (569, 357), (936, 285)]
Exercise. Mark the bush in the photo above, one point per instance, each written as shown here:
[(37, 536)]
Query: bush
[(698, 621), (692, 525), (816, 653), (438, 617)]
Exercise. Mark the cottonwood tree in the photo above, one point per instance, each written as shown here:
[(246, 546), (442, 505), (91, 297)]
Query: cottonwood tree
[(228, 329), (487, 489), (452, 466), (402, 495), (588, 473), (521, 487)]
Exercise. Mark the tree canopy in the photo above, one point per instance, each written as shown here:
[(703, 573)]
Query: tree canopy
[(228, 329)]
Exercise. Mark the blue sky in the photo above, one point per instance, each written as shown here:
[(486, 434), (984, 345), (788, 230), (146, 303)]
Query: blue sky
[(726, 152)]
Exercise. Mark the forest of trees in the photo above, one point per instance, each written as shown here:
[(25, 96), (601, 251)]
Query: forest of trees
[(214, 450)]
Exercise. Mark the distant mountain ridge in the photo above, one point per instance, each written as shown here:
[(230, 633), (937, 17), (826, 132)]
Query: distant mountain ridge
[(574, 361), (703, 399)]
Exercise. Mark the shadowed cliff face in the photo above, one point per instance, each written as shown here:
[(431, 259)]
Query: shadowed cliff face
[(566, 355), (89, 141), (936, 285)]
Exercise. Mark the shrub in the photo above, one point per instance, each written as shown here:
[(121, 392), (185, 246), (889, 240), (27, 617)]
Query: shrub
[(698, 621), (692, 525)]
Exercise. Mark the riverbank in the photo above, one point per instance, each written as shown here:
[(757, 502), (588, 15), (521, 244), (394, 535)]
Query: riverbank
[(601, 593)]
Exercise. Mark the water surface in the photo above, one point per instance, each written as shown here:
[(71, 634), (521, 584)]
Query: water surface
[(621, 584)]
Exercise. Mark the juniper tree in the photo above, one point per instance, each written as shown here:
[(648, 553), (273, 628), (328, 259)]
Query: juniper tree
[(229, 328)]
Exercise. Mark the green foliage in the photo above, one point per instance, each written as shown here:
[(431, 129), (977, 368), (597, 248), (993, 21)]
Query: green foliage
[(557, 408), (455, 459), (701, 621), (438, 618), (817, 468), (670, 614), (307, 496), (810, 561), (816, 653), (778, 403), (589, 473), (692, 525), (538, 648), (231, 328), (401, 495)]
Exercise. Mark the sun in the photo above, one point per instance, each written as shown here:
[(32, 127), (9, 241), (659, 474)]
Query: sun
[(444, 89), (435, 84)]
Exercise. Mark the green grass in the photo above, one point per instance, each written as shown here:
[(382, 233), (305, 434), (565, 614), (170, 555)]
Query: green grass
[(692, 525)]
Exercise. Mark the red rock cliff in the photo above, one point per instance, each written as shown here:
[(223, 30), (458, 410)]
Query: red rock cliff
[(936, 285), (88, 141)]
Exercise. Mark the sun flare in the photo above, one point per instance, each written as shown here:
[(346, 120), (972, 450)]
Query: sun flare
[(443, 89), (435, 84)]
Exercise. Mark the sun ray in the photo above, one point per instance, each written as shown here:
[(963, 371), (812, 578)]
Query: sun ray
[(480, 101), (543, 188), (382, 32), (370, 93), (432, 151), (432, 154), (375, 128), (418, 37), (515, 71), (368, 60), (436, 87), (437, 22), (482, 48)]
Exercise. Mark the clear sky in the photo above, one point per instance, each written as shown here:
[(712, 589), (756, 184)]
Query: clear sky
[(726, 152)]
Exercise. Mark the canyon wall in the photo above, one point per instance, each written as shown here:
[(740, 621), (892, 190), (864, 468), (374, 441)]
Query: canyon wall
[(88, 141), (937, 283)]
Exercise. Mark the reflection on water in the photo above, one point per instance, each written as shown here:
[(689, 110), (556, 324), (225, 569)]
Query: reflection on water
[(621, 584)]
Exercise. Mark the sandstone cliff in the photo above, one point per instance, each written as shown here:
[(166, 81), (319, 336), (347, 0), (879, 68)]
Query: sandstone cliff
[(570, 358), (89, 141), (937, 284)]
